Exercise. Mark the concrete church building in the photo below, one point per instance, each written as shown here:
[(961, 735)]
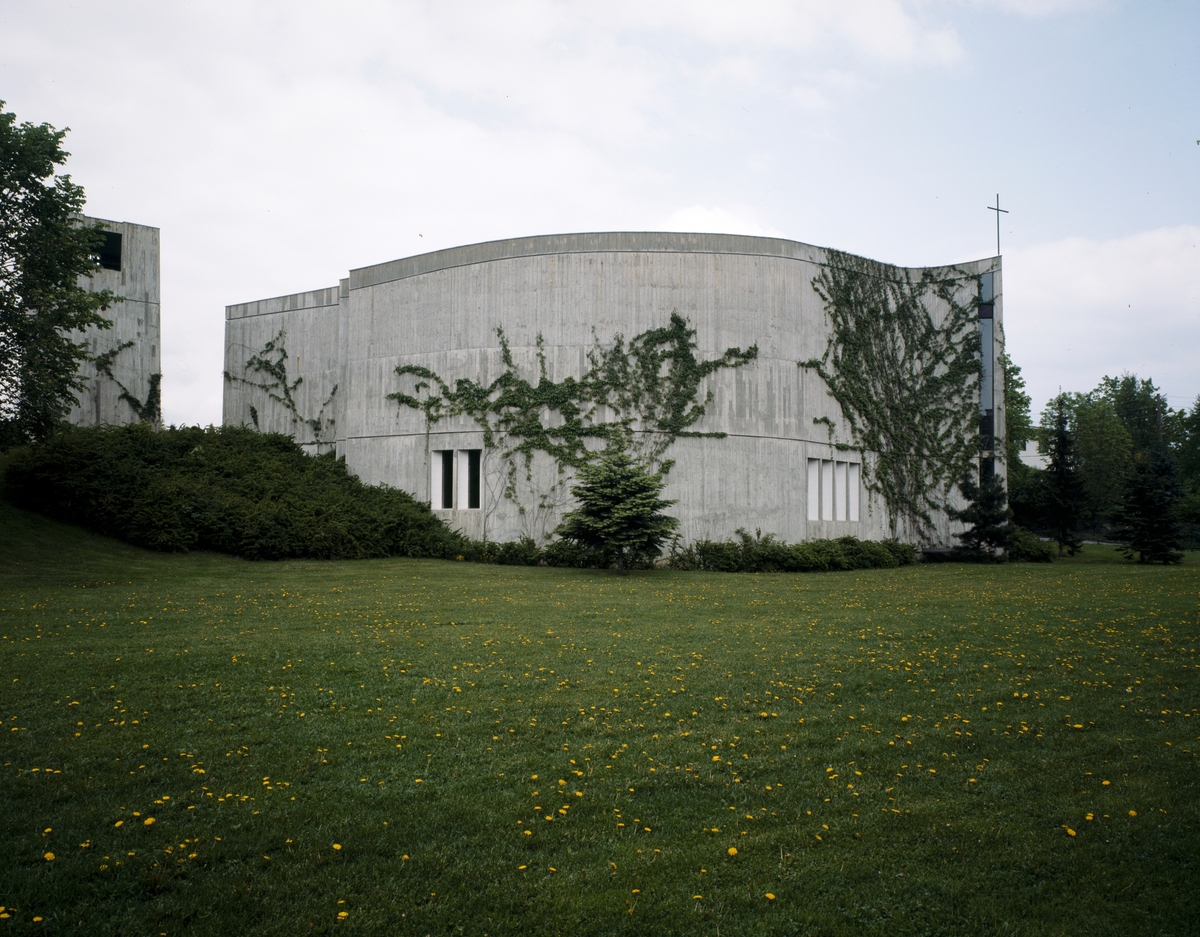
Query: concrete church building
[(123, 386), (373, 369)]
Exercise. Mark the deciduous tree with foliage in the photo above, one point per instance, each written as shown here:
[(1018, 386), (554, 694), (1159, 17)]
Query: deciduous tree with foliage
[(620, 509), (1104, 449), (1064, 490), (43, 253)]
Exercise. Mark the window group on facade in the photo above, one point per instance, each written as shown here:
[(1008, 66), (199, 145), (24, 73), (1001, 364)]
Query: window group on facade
[(834, 490), (454, 482)]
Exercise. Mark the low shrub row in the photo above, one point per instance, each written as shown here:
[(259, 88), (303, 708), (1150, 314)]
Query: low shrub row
[(229, 489), (768, 555)]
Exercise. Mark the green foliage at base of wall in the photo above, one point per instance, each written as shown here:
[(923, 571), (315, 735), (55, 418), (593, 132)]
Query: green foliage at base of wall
[(906, 381), (266, 370), (765, 554), (255, 495)]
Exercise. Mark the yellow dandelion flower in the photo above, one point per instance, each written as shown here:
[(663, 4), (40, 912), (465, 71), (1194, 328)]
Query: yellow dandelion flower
[(698, 897), (342, 915), (770, 897), (1070, 832), (528, 832), (732, 850), (149, 821), (1133, 813), (49, 857), (1104, 783), (337, 845)]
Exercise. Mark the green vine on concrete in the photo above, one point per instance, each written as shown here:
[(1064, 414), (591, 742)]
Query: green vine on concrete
[(148, 410), (269, 367), (650, 386), (906, 381)]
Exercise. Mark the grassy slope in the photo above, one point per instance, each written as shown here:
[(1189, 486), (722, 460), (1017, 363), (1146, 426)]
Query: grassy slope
[(261, 713)]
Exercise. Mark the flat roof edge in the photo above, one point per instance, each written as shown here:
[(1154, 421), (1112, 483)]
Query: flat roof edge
[(291, 302)]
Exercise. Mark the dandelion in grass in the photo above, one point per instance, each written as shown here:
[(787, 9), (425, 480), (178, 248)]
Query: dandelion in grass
[(49, 857), (732, 850)]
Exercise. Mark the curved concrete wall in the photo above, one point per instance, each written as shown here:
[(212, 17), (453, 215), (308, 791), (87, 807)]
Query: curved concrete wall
[(441, 311)]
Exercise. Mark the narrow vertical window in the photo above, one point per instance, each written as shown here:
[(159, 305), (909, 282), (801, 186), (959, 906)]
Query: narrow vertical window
[(473, 460), (839, 491), (826, 490), (852, 489), (447, 492), (814, 489)]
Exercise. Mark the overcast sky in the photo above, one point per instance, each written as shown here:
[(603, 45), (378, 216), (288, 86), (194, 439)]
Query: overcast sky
[(277, 145)]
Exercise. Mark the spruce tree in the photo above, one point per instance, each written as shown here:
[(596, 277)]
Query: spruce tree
[(1148, 520), (620, 510), (1064, 488), (987, 512)]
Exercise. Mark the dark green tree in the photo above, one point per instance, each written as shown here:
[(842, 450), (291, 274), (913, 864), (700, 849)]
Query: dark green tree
[(1064, 489), (1148, 520), (1018, 422), (987, 513), (1024, 486), (1189, 448), (43, 253), (1143, 409), (1103, 450), (620, 509)]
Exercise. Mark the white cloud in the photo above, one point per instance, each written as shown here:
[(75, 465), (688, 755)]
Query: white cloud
[(1041, 8), (1078, 309), (704, 220)]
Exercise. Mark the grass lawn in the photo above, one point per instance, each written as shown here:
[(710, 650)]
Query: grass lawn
[(200, 745)]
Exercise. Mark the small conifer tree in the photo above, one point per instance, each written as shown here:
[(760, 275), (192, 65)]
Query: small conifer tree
[(1148, 520), (620, 510), (987, 513), (1064, 488)]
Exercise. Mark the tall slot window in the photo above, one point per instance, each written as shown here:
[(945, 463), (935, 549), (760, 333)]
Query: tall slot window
[(441, 482), (468, 478), (455, 480), (814, 489), (834, 490), (826, 490)]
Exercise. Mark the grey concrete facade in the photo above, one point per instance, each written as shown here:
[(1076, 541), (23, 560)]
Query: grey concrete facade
[(136, 325), (441, 311)]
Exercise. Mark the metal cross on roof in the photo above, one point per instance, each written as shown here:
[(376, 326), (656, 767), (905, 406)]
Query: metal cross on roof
[(997, 209)]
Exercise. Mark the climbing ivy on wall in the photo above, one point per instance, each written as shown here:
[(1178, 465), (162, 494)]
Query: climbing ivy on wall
[(267, 371), (148, 410), (650, 386), (905, 379)]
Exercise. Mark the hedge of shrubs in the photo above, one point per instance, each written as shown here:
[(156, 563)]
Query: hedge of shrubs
[(768, 555), (234, 490)]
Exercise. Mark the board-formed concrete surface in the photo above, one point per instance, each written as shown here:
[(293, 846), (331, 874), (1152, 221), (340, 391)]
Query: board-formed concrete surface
[(441, 311), (136, 325)]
